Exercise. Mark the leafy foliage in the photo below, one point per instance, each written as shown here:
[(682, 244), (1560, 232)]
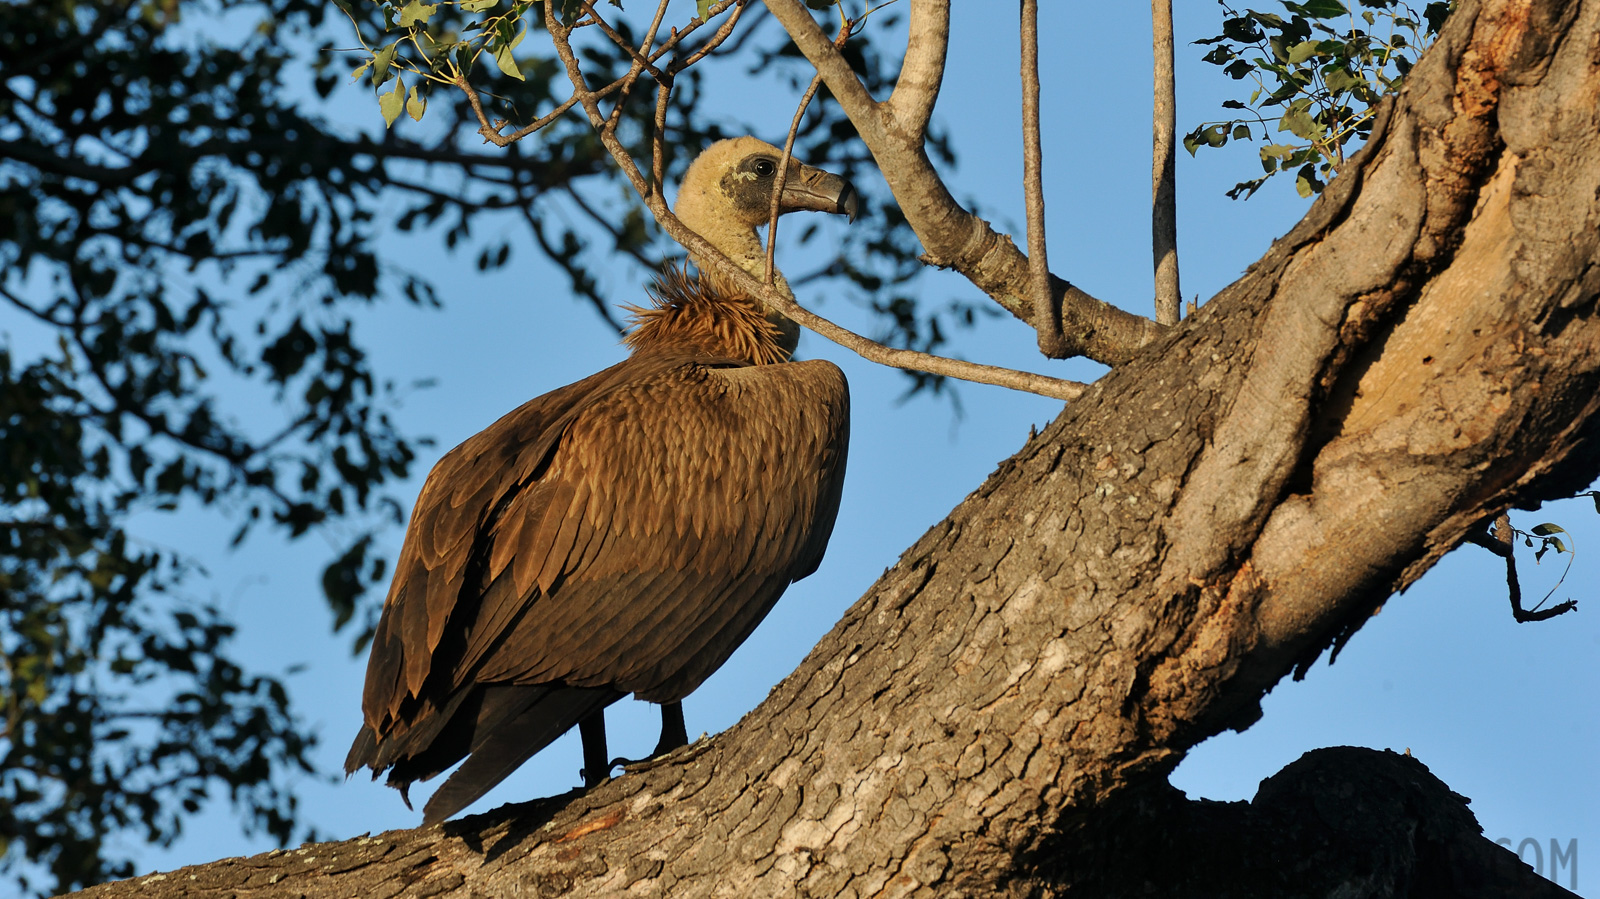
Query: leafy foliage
[(186, 230), (178, 229), (1319, 71)]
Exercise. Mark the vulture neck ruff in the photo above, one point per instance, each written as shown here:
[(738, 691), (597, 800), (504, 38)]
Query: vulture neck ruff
[(710, 203), (698, 314)]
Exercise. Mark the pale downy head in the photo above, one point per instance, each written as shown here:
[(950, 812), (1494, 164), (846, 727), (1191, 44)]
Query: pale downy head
[(726, 196)]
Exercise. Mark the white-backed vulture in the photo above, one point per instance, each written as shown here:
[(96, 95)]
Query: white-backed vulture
[(623, 534)]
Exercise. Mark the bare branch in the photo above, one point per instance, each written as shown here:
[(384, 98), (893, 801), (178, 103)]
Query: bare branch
[(1163, 188), (783, 172), (640, 60), (952, 236), (658, 153), (716, 9), (491, 132), (714, 42), (560, 35), (774, 298), (922, 71), (864, 347), (788, 154), (1046, 315)]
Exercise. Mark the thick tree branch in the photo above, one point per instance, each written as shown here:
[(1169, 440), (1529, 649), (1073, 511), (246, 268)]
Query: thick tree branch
[(777, 299), (1164, 166), (951, 236), (1046, 315), (1421, 352), (910, 106)]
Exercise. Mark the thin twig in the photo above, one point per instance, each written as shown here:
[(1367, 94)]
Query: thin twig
[(639, 58), (711, 44), (493, 135), (862, 346), (1046, 316), (658, 154), (702, 249), (1502, 542), (783, 176), (839, 40), (655, 28), (560, 35), (640, 61), (677, 37)]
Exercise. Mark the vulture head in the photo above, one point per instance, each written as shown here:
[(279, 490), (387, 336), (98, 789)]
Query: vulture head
[(726, 196)]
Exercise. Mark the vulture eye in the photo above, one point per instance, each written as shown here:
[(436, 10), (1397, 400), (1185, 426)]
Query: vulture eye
[(765, 168)]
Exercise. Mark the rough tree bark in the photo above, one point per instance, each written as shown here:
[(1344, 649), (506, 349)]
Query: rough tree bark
[(997, 714)]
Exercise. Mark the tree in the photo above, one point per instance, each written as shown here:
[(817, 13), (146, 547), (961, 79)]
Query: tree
[(997, 714), (186, 228)]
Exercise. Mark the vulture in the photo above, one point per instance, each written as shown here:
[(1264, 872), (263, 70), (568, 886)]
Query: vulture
[(623, 534)]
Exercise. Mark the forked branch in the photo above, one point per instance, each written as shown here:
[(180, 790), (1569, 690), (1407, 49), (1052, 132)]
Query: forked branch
[(871, 350), (1502, 542), (896, 132)]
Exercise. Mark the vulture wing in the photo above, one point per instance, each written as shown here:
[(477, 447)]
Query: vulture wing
[(623, 534)]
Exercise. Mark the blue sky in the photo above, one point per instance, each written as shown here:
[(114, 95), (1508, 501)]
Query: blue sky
[(1502, 712)]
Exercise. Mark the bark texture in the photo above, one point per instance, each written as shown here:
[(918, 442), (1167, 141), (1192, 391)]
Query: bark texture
[(1419, 353)]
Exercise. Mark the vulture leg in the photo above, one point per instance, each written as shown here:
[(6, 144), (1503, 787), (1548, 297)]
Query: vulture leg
[(596, 763), (673, 734), (520, 722)]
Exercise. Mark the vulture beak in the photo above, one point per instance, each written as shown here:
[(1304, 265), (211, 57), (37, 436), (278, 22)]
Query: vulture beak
[(819, 191)]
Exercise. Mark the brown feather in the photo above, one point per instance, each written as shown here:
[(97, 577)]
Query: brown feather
[(704, 316)]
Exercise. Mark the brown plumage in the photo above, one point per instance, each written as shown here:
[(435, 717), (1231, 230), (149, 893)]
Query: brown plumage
[(623, 534)]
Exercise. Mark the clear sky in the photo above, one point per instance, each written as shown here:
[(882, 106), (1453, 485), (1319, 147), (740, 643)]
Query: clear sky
[(1504, 713)]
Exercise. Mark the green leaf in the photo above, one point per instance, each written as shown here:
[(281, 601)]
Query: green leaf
[(1297, 122), (1548, 528), (702, 8), (360, 70), (1339, 80), (1241, 132), (416, 12), (382, 62), (1323, 9), (1299, 53), (415, 105), (1436, 13), (477, 5), (391, 103), (1303, 186), (506, 61)]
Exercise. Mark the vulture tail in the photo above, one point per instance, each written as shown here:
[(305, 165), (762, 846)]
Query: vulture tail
[(515, 723)]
